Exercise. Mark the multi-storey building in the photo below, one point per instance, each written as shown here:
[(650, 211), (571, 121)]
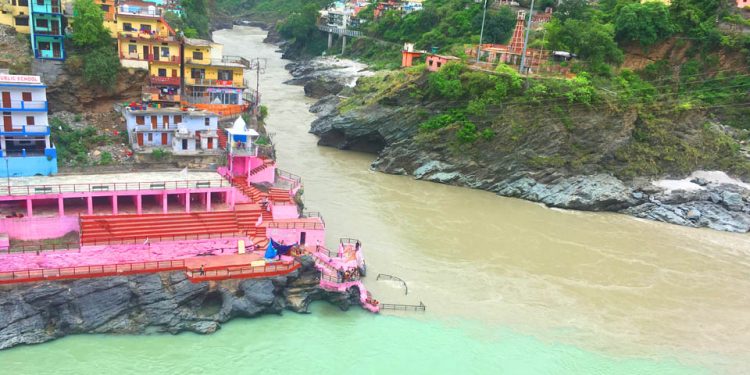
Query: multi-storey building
[(109, 11), (213, 81), (25, 145), (181, 131), (143, 36), (47, 29), (15, 13)]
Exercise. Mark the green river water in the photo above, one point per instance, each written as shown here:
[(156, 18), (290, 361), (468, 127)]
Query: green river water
[(510, 287)]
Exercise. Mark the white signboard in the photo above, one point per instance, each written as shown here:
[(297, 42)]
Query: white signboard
[(10, 78)]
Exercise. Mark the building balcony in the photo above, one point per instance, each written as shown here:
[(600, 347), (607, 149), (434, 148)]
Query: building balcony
[(25, 130), (150, 58), (150, 11), (215, 83), (146, 35), (49, 8), (154, 94), (227, 61), (23, 105), (170, 81), (53, 32)]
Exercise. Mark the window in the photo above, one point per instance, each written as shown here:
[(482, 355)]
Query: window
[(23, 3), (140, 120), (430, 62), (145, 28), (29, 120), (439, 64), (162, 72), (207, 121), (26, 96), (127, 26), (22, 21), (177, 119), (42, 23), (150, 137), (197, 73), (44, 46), (105, 8), (39, 2), (225, 75), (132, 48), (164, 51), (197, 55)]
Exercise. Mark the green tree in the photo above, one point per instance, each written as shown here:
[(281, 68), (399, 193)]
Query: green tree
[(573, 9), (590, 40), (88, 25), (499, 25), (100, 67), (644, 23), (300, 26), (195, 16)]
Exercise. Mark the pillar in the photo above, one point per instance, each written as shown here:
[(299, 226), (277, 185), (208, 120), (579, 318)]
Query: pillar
[(208, 201), (231, 199), (187, 202), (164, 207), (90, 205), (343, 44), (114, 205), (29, 208), (60, 207), (139, 204), (330, 40)]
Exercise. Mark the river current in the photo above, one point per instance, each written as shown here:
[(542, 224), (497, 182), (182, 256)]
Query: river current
[(510, 286)]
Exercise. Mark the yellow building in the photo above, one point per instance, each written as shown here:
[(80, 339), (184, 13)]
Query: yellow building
[(144, 36), (15, 13), (210, 77)]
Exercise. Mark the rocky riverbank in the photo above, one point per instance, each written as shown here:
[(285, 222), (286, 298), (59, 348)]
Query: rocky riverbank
[(387, 127), (167, 302)]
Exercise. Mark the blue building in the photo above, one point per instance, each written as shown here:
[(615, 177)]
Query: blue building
[(25, 146), (47, 26)]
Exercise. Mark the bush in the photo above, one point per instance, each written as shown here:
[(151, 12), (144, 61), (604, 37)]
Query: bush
[(105, 158), (467, 133), (159, 154), (89, 31), (100, 68)]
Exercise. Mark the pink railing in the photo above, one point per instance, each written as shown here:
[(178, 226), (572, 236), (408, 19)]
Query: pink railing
[(37, 248), (89, 271), (111, 186), (239, 272), (294, 225), (178, 237)]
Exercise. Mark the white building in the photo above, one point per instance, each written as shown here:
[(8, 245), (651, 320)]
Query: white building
[(25, 138), (188, 131)]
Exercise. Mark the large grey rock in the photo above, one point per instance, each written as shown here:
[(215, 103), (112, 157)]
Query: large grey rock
[(592, 193), (167, 302)]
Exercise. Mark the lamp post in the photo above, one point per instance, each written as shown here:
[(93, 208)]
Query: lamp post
[(526, 39), (7, 171), (481, 32)]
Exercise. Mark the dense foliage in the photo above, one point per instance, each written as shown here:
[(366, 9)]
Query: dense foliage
[(97, 55), (88, 25), (195, 18)]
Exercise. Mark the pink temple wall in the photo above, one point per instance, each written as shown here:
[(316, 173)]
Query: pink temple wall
[(288, 211), (290, 236), (266, 175), (39, 227)]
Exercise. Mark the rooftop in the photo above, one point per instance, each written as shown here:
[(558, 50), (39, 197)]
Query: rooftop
[(122, 178), (197, 42), (171, 110)]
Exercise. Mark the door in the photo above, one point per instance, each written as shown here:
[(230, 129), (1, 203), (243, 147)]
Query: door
[(55, 28), (140, 139), (197, 139), (7, 122), (56, 50), (184, 144), (302, 237), (174, 73), (210, 144), (145, 53), (6, 99), (164, 138), (153, 122), (165, 121), (156, 53)]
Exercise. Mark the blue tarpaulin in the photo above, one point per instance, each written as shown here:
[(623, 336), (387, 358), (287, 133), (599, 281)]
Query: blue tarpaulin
[(239, 137), (282, 249), (270, 251)]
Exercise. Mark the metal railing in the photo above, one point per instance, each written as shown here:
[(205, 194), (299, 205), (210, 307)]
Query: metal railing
[(229, 61), (135, 240), (294, 225), (38, 248), (339, 30), (143, 34), (138, 11), (53, 32), (172, 81), (111, 186), (24, 105), (90, 271), (216, 82), (150, 57), (382, 276), (238, 272), (40, 130), (400, 307)]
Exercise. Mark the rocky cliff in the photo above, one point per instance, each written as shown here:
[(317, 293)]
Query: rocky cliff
[(575, 157), (167, 302)]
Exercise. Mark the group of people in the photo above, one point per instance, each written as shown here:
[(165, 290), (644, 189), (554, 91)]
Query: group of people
[(349, 275)]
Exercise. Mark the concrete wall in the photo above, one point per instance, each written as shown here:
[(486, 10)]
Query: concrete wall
[(288, 211), (38, 228), (28, 166), (290, 236)]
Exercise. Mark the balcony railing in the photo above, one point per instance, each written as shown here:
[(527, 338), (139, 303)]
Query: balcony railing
[(54, 7), (24, 105), (138, 11), (172, 81), (149, 57), (112, 186), (216, 83), (52, 32), (142, 34), (150, 94), (223, 61)]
